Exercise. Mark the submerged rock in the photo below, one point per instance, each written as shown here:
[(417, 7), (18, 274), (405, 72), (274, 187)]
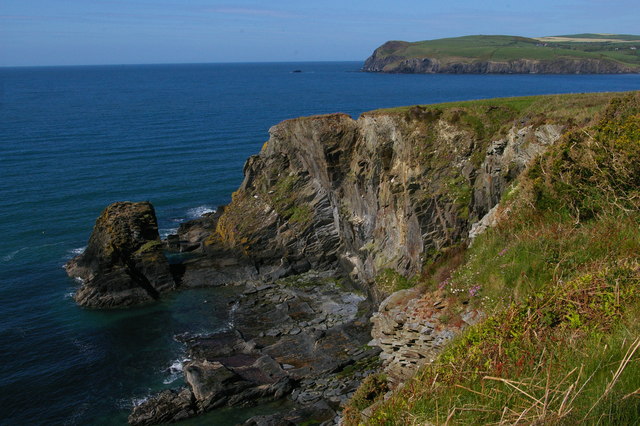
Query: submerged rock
[(123, 264)]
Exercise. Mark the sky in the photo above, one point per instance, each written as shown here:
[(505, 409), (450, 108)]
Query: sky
[(90, 32)]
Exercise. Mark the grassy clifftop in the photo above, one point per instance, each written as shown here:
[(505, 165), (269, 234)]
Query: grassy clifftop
[(618, 52), (560, 280)]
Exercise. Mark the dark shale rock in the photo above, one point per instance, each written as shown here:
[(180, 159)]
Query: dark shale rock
[(169, 405), (303, 334), (212, 383), (123, 264), (317, 413)]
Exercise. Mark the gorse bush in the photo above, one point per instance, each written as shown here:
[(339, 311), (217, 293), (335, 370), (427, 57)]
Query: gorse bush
[(594, 170)]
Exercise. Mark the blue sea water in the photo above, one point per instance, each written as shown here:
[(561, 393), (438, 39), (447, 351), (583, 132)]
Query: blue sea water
[(74, 139)]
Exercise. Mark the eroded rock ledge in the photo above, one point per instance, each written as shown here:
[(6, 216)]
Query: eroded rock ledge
[(412, 327)]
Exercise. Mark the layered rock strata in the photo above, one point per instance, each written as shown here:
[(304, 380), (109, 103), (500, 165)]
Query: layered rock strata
[(123, 264), (348, 198), (325, 193), (412, 327), (363, 196)]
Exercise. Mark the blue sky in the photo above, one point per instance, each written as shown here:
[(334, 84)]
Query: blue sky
[(72, 32)]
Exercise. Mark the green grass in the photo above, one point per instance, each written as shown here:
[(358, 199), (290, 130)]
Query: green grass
[(574, 107), (560, 280), (566, 355), (508, 48), (388, 281)]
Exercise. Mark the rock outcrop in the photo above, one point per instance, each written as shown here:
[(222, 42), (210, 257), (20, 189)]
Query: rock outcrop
[(329, 206), (123, 264), (412, 327)]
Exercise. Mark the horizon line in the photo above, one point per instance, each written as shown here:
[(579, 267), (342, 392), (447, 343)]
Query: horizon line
[(173, 63)]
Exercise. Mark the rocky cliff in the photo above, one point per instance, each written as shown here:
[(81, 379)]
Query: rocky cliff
[(385, 192), (503, 54), (426, 65)]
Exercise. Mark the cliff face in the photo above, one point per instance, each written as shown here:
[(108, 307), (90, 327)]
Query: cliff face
[(383, 192), (398, 64)]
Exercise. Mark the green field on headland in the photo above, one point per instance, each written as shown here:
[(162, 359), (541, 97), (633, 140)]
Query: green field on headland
[(620, 50)]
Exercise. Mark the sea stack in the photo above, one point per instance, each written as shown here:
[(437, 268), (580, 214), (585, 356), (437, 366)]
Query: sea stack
[(123, 264)]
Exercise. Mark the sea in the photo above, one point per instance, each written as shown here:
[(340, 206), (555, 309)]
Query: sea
[(74, 139)]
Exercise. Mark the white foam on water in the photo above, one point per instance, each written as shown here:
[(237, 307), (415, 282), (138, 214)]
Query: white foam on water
[(128, 403), (164, 233), (175, 370), (10, 256), (232, 311), (73, 253), (77, 251), (196, 212)]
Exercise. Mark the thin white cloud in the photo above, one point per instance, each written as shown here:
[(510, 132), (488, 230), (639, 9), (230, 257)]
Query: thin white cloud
[(253, 12)]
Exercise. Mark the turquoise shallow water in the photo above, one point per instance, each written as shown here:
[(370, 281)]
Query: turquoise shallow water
[(75, 139)]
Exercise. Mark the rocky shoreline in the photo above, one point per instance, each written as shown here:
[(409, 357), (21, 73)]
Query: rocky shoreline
[(304, 337), (328, 206)]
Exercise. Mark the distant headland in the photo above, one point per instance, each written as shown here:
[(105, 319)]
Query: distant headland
[(503, 54)]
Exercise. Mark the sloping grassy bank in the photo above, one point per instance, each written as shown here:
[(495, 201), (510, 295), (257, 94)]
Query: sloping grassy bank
[(560, 279)]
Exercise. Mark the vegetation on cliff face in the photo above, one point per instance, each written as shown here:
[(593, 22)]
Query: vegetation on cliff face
[(560, 277), (506, 54)]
